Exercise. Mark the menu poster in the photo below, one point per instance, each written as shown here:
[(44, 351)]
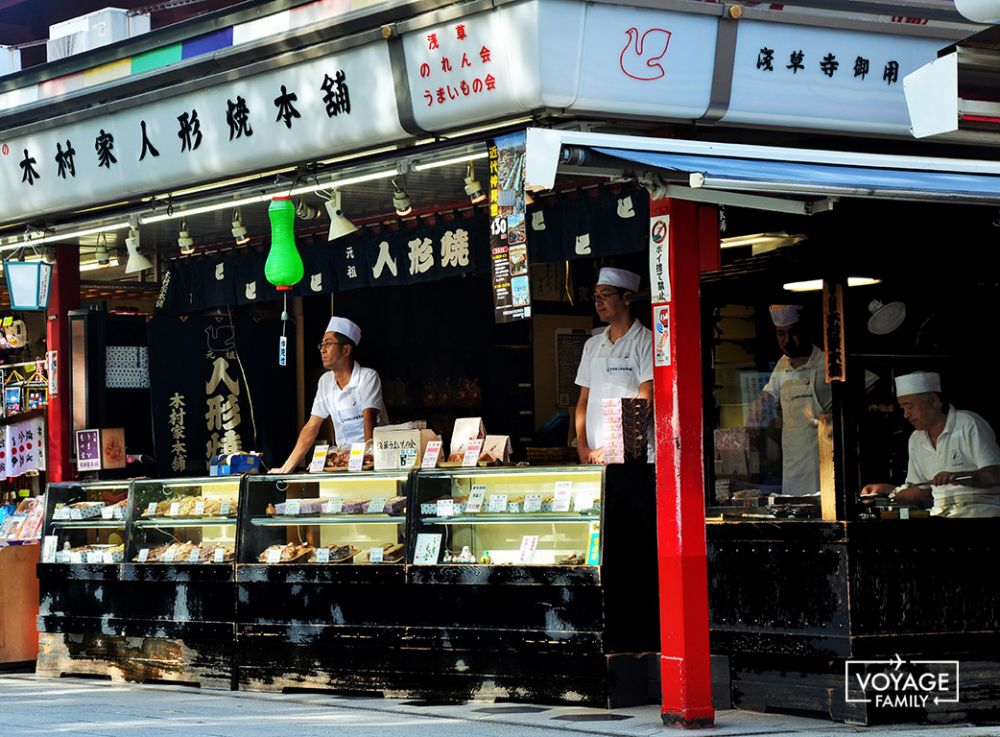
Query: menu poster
[(508, 232), (427, 549), (88, 450)]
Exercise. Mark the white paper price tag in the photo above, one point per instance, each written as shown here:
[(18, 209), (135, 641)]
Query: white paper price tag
[(49, 547), (376, 505), (168, 557), (107, 558), (199, 509), (322, 555), (194, 556), (224, 508), (318, 458), (76, 557), (375, 555), (476, 497), (583, 501), (356, 460), (497, 503), (472, 451), (274, 556), (334, 506), (563, 496), (219, 556), (143, 555), (175, 509), (151, 509), (431, 454), (95, 556), (107, 512), (533, 503), (293, 506), (445, 507), (529, 543)]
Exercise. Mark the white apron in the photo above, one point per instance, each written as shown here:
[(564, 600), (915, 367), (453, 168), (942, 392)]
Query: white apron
[(348, 417), (800, 411)]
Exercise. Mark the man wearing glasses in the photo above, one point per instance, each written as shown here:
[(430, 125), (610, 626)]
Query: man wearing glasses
[(616, 363), (348, 393)]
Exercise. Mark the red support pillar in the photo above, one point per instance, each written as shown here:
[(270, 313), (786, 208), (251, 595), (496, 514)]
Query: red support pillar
[(677, 385), (64, 296)]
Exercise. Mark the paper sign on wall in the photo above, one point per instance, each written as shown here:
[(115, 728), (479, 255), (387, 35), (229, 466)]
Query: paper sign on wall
[(659, 258), (661, 335)]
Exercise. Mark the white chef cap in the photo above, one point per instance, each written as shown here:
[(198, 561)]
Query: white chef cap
[(784, 315), (347, 328), (919, 382), (627, 280)]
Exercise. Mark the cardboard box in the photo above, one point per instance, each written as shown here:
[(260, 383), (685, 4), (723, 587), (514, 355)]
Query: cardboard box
[(400, 449)]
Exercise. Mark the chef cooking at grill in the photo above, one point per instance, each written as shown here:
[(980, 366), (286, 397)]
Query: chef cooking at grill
[(348, 393), (799, 390), (954, 458)]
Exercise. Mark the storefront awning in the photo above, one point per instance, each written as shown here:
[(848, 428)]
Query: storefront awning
[(770, 170)]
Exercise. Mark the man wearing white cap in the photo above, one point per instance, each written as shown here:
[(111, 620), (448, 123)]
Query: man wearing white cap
[(348, 393), (799, 387), (954, 457), (616, 363)]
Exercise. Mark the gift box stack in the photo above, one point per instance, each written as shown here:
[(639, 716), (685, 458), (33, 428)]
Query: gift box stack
[(626, 435)]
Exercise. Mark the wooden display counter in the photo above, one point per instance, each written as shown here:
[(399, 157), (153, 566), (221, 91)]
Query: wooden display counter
[(793, 601)]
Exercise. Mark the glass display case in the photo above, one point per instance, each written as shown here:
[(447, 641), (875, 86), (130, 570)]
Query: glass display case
[(85, 522), (509, 516), (184, 521), (333, 518)]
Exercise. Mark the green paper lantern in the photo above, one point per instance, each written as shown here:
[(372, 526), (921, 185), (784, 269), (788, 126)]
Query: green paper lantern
[(283, 267)]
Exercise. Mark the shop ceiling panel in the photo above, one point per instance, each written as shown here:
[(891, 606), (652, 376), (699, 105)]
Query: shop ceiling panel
[(804, 77), (366, 113)]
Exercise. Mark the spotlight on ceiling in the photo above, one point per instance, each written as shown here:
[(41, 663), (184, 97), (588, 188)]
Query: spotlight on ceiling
[(400, 200), (339, 224), (184, 240), (239, 232), (305, 211), (136, 260), (472, 186), (101, 255)]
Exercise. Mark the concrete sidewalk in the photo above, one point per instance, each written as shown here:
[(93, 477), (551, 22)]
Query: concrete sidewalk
[(87, 708)]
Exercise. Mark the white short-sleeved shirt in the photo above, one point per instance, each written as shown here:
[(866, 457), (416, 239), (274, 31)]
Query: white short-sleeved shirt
[(967, 443), (346, 406), (614, 370)]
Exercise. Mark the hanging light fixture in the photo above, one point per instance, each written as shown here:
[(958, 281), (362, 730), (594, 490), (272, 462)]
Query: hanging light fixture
[(400, 200), (305, 211), (184, 240), (101, 255), (472, 186), (239, 231), (27, 283), (136, 260), (339, 224)]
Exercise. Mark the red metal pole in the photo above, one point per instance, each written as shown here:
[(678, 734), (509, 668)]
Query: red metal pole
[(64, 296), (685, 672)]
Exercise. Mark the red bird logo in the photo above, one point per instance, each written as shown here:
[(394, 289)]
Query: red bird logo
[(641, 56)]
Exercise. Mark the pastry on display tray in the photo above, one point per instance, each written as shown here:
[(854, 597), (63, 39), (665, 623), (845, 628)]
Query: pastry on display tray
[(288, 553)]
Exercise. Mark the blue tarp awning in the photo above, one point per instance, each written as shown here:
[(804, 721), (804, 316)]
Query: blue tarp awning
[(796, 178)]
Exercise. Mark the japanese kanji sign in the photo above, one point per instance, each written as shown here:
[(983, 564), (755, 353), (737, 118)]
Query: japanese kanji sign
[(508, 232), (22, 447)]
